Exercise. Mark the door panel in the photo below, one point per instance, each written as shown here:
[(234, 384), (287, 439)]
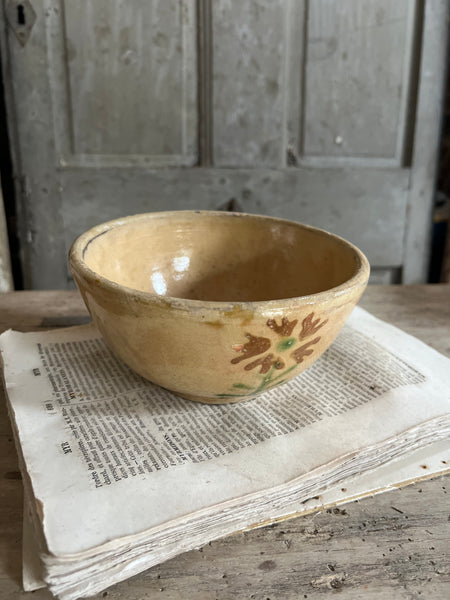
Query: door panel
[(128, 93), (358, 60), (298, 109), (125, 82), (353, 204), (249, 89)]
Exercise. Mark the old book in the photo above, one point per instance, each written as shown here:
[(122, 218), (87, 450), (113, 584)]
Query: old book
[(121, 475)]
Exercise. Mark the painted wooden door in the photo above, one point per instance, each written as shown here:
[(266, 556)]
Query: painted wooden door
[(321, 111)]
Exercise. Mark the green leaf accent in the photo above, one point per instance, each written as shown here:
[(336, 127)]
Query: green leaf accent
[(268, 382), (283, 374), (285, 344), (232, 395)]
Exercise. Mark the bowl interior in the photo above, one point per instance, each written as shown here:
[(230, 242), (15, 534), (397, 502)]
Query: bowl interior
[(220, 257)]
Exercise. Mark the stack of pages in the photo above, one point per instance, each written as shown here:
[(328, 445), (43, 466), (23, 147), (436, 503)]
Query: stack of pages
[(120, 475)]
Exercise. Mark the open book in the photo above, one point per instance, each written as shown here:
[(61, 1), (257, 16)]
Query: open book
[(121, 475)]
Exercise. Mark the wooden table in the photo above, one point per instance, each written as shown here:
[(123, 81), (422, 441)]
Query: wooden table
[(393, 546)]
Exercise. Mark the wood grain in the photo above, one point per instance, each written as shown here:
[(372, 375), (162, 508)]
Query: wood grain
[(394, 545)]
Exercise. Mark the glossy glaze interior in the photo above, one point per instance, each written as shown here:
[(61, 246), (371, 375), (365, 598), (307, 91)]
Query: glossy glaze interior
[(220, 257)]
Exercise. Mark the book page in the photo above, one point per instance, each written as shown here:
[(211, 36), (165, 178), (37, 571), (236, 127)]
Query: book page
[(404, 471), (123, 455), (32, 568)]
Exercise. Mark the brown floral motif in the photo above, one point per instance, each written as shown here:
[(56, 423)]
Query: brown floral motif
[(270, 363), (266, 362), (254, 346), (310, 326), (286, 327), (302, 351)]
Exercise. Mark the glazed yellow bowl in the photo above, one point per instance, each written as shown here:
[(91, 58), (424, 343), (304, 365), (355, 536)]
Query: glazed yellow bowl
[(214, 306)]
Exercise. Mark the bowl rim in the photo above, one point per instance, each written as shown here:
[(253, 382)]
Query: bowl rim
[(80, 268)]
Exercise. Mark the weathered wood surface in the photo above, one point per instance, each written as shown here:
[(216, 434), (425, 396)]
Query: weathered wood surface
[(395, 545), (339, 47), (132, 78), (352, 205), (6, 280), (249, 111), (299, 109), (427, 135)]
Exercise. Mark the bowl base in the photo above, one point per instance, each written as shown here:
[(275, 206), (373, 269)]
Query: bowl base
[(215, 399)]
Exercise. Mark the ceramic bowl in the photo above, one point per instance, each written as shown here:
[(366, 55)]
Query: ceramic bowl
[(217, 307)]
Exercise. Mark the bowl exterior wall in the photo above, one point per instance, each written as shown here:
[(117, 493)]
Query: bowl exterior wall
[(212, 355)]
